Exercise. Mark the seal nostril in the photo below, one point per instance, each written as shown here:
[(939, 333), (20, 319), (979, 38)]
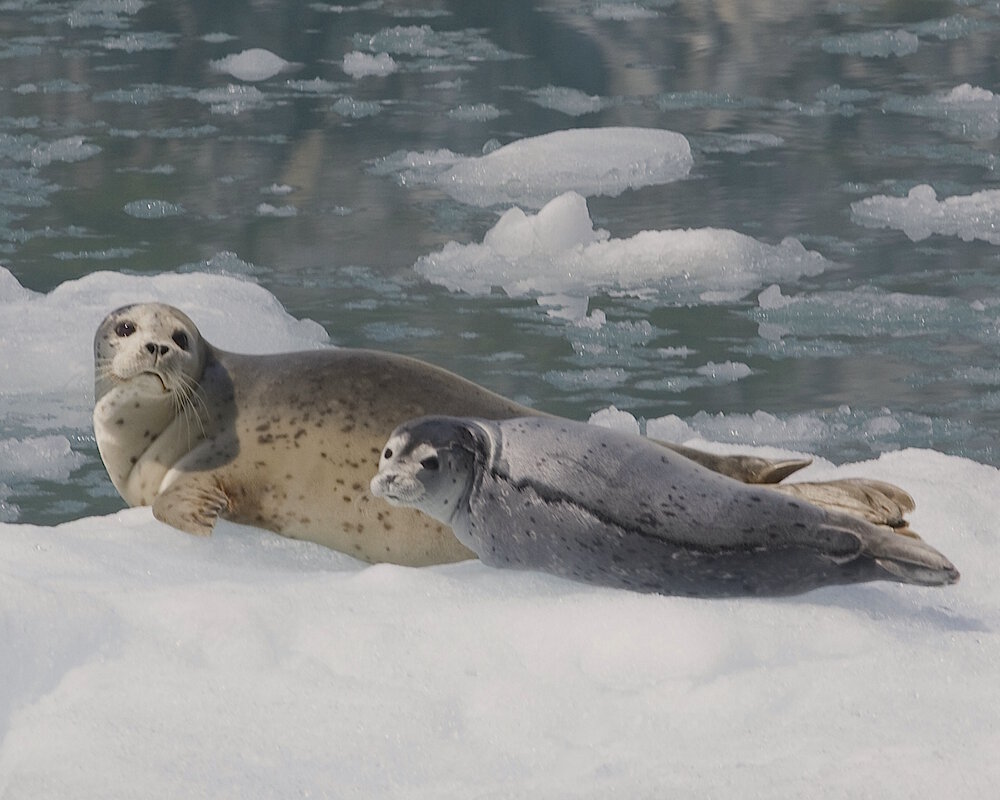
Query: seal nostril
[(150, 347), (163, 349)]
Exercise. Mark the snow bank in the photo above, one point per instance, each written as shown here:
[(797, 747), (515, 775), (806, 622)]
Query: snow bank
[(529, 172), (140, 660), (558, 250), (920, 214)]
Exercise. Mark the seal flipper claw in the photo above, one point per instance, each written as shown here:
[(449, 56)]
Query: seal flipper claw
[(193, 504)]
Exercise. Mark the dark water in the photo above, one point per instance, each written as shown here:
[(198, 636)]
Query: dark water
[(135, 80)]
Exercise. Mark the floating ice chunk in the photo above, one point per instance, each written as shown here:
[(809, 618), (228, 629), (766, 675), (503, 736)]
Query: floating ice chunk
[(103, 13), (153, 209), (58, 86), (726, 372), (880, 44), (870, 313), (616, 420), (476, 112), (29, 148), (772, 297), (569, 101), (218, 38), (759, 428), (599, 378), (232, 99), (97, 255), (72, 148), (623, 12), (972, 110), (957, 26), (675, 352), (357, 109), (361, 65), (252, 65), (139, 41), (49, 458), (531, 171), (558, 250), (424, 41), (920, 214), (737, 143), (268, 210), (314, 86)]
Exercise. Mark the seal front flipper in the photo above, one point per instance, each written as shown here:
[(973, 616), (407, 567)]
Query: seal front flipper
[(192, 503)]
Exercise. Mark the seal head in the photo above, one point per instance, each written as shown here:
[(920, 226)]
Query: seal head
[(431, 466), (148, 361)]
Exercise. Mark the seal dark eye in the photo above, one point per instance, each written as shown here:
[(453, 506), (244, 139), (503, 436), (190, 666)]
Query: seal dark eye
[(431, 463), (180, 339), (125, 328), (387, 453)]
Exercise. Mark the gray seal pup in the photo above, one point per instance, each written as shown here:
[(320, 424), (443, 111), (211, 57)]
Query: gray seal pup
[(286, 442), (614, 509)]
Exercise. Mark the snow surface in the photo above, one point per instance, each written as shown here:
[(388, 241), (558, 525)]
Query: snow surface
[(531, 171), (920, 214), (558, 250), (139, 661)]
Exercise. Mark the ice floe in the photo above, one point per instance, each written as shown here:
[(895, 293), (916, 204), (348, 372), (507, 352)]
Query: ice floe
[(255, 64), (558, 250), (361, 65), (531, 171), (920, 214), (880, 44), (970, 110)]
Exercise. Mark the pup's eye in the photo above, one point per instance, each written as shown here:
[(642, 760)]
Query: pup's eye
[(431, 463), (387, 453), (180, 339), (125, 328)]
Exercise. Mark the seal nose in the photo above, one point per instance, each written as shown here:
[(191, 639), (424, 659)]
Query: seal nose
[(157, 349)]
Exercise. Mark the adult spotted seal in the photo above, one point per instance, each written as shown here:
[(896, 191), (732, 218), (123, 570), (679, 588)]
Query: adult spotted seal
[(286, 442), (614, 509)]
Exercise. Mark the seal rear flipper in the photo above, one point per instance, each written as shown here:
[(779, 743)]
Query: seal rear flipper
[(191, 504), (874, 501), (746, 469), (910, 560)]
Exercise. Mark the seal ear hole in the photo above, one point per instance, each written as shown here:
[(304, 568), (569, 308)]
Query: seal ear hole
[(125, 328), (431, 463), (181, 340)]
